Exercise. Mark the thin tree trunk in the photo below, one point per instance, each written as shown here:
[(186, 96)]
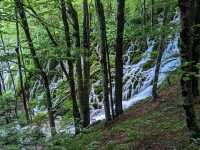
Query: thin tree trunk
[(119, 56), (110, 85), (1, 88), (160, 54), (103, 59), (20, 8), (186, 55), (53, 63), (152, 13), (2, 81), (43, 24), (11, 75), (110, 5), (76, 113), (144, 12), (24, 98)]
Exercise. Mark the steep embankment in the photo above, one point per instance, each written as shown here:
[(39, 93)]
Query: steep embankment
[(154, 125)]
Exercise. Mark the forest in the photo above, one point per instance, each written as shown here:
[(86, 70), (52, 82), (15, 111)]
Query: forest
[(99, 74)]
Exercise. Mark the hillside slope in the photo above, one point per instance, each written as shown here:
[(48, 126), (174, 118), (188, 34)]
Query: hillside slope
[(148, 125), (152, 125)]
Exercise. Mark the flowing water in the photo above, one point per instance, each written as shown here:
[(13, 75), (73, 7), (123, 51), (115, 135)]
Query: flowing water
[(137, 81)]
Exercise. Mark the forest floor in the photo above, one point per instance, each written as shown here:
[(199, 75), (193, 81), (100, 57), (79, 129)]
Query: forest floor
[(149, 125)]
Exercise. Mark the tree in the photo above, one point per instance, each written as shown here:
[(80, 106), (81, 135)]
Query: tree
[(69, 75), (11, 74), (186, 55), (86, 62), (119, 56), (152, 13), (103, 57), (196, 46), (160, 54), (24, 98), (1, 87), (76, 113), (81, 66), (25, 26)]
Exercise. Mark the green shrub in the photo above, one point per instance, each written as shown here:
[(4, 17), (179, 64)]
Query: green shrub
[(40, 117)]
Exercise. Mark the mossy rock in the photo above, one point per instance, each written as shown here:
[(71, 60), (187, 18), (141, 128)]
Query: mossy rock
[(98, 89), (149, 64), (154, 54), (136, 56)]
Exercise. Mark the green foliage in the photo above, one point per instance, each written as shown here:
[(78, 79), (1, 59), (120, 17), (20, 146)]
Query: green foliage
[(21, 118), (136, 56), (6, 100), (49, 12), (33, 104), (40, 117), (94, 145), (69, 113), (149, 64)]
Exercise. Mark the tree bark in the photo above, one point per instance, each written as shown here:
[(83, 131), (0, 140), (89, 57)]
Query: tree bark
[(2, 83), (196, 46), (43, 24), (20, 8), (119, 56), (152, 13), (11, 75), (103, 59), (1, 88), (86, 62), (186, 56), (83, 99), (160, 54), (76, 113), (22, 91), (144, 11)]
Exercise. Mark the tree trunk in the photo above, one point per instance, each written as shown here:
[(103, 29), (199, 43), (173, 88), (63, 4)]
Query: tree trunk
[(76, 113), (43, 24), (110, 86), (1, 88), (103, 59), (20, 8), (160, 54), (86, 63), (144, 12), (152, 13), (119, 56), (2, 82), (24, 98), (11, 74), (186, 56), (70, 75), (196, 47), (79, 71)]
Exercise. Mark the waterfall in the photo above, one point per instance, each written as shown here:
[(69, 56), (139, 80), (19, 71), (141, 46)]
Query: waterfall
[(138, 81)]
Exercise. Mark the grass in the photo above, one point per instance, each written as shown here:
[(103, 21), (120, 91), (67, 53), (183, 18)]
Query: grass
[(147, 125), (152, 125)]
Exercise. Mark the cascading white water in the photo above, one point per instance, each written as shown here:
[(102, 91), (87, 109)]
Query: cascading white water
[(137, 81)]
